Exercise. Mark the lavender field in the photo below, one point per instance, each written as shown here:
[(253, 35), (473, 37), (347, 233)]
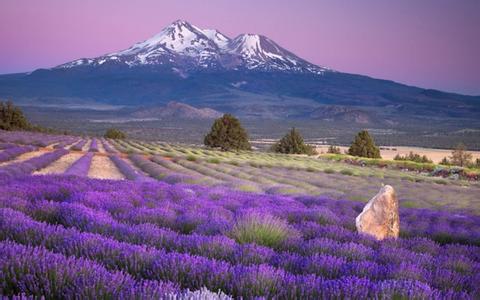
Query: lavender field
[(191, 223)]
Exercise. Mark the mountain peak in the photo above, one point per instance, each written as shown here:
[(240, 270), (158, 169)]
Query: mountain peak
[(185, 47)]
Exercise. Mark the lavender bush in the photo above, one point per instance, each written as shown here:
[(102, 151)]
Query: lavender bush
[(32, 164), (79, 145), (94, 146), (12, 152), (283, 247), (81, 166), (128, 171)]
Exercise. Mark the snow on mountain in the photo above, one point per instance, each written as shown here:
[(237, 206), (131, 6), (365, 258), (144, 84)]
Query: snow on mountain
[(184, 47), (259, 52), (217, 37)]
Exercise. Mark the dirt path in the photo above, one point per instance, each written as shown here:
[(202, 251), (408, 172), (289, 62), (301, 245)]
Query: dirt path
[(86, 147), (103, 168), (101, 149), (61, 165)]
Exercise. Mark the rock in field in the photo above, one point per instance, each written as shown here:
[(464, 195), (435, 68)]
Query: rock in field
[(380, 216)]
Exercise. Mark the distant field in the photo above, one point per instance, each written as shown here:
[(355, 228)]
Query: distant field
[(436, 155), (259, 172)]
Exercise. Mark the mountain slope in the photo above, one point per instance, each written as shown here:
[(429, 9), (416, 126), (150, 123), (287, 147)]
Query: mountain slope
[(249, 75), (186, 47), (178, 110)]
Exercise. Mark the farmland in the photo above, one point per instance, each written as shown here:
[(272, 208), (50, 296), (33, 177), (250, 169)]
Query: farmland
[(157, 220)]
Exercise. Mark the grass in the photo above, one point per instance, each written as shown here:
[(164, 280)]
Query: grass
[(261, 229), (213, 160), (346, 172), (191, 158), (329, 171)]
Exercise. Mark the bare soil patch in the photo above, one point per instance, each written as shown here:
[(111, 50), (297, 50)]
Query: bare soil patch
[(436, 155), (61, 165), (103, 168)]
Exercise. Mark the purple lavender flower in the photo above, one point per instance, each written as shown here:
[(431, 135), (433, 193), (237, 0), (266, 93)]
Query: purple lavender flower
[(81, 166)]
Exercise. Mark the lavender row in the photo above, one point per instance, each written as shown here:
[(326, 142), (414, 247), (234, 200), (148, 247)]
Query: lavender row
[(30, 138), (37, 272), (13, 152), (32, 164), (79, 146), (93, 145), (7, 146), (81, 166), (108, 147), (127, 170), (195, 272), (158, 172), (390, 262)]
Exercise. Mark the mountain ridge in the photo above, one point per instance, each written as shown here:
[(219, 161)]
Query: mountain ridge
[(249, 75), (186, 46)]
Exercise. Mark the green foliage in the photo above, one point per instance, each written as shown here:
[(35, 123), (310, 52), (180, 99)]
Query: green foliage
[(292, 143), (191, 157), (334, 150), (364, 146), (329, 171), (413, 157), (213, 160), (346, 172), (227, 134), (262, 229), (12, 118), (460, 156), (445, 162), (115, 134)]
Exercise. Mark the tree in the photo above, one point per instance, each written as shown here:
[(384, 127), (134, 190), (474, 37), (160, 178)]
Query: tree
[(12, 118), (227, 134), (445, 161), (460, 156), (114, 133), (415, 157), (364, 146), (334, 149), (292, 143)]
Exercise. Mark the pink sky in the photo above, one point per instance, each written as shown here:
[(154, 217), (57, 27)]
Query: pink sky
[(428, 43)]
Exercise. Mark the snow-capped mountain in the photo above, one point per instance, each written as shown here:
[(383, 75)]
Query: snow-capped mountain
[(185, 47)]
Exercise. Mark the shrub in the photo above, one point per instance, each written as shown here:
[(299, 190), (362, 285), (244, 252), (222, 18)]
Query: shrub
[(440, 181), (329, 171), (191, 158), (334, 150), (262, 229), (227, 134), (12, 118), (415, 157), (445, 162), (114, 133), (460, 156), (292, 143), (364, 146), (347, 172), (213, 160)]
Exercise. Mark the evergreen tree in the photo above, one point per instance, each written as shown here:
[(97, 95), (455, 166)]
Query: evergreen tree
[(114, 133), (364, 146), (460, 156), (11, 117), (227, 134), (292, 143)]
